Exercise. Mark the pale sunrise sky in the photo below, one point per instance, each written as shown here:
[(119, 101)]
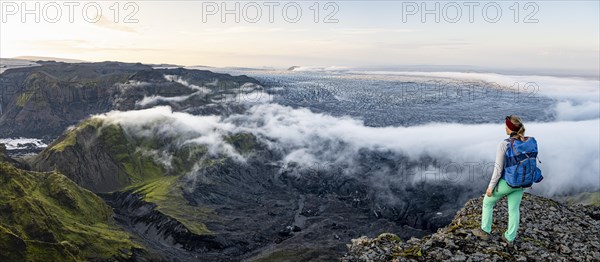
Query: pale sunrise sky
[(367, 33)]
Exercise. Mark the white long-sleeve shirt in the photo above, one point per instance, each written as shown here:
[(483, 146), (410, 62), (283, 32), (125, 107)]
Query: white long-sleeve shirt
[(499, 164)]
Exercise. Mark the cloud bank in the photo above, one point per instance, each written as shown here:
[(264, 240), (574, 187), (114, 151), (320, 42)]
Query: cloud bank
[(569, 150)]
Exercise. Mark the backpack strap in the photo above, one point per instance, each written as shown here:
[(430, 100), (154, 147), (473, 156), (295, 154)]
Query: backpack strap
[(510, 141), (512, 144)]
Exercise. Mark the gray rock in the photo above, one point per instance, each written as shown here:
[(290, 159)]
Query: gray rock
[(565, 249), (553, 232)]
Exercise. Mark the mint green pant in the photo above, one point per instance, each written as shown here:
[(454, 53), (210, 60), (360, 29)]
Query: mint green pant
[(514, 196)]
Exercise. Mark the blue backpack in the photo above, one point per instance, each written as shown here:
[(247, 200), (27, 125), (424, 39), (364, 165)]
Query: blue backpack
[(520, 165)]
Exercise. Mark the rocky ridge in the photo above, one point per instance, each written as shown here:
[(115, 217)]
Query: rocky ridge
[(549, 231)]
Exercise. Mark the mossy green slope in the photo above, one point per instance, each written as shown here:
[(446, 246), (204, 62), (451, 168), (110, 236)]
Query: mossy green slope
[(47, 217), (131, 160), (167, 195)]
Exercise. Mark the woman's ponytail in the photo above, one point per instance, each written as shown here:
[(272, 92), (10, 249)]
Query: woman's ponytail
[(520, 134)]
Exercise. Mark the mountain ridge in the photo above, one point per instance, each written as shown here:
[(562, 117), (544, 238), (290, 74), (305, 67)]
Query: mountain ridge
[(44, 100)]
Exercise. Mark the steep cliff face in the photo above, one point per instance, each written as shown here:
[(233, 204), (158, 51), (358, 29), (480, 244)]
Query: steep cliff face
[(98, 157), (549, 231), (43, 101), (46, 217)]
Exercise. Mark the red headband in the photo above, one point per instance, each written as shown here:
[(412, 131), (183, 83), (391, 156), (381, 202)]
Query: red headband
[(511, 126)]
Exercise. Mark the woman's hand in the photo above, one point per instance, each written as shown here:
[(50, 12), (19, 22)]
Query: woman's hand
[(488, 192)]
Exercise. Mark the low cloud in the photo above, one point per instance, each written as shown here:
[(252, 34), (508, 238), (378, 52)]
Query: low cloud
[(156, 99), (180, 80), (568, 149)]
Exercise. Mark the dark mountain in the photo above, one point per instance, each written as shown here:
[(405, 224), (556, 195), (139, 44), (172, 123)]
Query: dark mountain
[(43, 101)]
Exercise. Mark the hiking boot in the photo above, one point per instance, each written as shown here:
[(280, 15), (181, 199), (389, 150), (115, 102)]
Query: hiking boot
[(509, 243), (480, 233)]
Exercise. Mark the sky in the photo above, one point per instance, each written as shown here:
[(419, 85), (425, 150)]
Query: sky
[(562, 35)]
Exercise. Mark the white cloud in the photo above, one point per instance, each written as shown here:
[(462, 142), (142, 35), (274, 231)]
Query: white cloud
[(567, 148)]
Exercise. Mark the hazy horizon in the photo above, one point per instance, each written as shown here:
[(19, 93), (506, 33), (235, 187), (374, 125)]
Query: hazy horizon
[(391, 68), (546, 35)]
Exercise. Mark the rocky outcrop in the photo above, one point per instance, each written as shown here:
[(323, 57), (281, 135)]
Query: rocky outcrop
[(549, 231), (43, 101)]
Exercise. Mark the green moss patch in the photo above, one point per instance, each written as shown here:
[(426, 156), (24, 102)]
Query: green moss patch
[(46, 217), (23, 98), (412, 252), (168, 197)]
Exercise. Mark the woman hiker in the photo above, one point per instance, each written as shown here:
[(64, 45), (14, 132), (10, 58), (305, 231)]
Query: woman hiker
[(515, 129)]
